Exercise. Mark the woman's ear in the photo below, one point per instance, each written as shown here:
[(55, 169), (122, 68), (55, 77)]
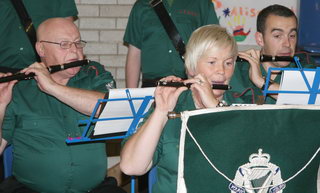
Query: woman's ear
[(190, 73)]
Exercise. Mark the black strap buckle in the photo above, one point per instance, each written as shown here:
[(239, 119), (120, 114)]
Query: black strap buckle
[(28, 26), (154, 3)]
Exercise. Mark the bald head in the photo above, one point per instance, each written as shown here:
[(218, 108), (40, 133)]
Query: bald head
[(52, 27), (50, 34)]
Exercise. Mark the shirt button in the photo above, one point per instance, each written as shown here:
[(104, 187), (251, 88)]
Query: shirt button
[(170, 51), (21, 49)]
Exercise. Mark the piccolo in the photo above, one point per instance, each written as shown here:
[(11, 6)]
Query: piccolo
[(267, 58), (188, 85), (51, 69)]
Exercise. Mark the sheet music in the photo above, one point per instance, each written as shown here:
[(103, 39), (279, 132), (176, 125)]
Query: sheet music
[(121, 108), (293, 81)]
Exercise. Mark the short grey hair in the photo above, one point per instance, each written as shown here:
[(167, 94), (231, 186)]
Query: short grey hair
[(206, 37)]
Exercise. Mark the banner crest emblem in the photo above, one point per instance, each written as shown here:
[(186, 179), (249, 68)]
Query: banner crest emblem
[(258, 176)]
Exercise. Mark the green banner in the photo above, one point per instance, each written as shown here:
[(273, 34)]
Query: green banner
[(256, 148)]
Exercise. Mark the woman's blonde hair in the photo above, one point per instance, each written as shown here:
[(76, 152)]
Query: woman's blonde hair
[(206, 37)]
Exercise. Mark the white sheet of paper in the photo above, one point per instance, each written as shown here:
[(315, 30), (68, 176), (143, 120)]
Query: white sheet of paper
[(121, 108), (293, 81)]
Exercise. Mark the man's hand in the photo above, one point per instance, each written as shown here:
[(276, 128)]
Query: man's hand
[(42, 76), (253, 57), (6, 90)]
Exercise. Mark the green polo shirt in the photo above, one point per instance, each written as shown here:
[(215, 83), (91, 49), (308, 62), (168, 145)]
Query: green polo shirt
[(38, 124), (167, 152), (15, 48), (145, 31), (241, 83)]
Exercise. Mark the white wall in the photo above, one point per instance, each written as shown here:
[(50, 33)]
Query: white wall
[(102, 24)]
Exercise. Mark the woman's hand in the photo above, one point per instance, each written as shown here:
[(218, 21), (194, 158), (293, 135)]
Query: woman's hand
[(166, 97), (253, 57), (202, 89)]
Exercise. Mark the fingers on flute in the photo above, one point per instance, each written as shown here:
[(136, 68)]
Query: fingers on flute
[(5, 74), (171, 78)]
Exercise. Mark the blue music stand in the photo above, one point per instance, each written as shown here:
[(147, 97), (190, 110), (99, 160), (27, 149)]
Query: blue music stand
[(313, 89), (137, 114)]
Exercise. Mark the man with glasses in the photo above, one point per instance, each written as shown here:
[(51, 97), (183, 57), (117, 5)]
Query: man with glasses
[(66, 44), (44, 112)]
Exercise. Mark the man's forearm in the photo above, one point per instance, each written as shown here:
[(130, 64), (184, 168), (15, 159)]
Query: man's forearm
[(81, 100)]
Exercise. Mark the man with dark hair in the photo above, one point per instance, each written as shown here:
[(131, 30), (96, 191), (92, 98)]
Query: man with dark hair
[(277, 36), (277, 10)]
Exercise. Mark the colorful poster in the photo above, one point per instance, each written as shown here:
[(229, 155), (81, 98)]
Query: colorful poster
[(239, 16)]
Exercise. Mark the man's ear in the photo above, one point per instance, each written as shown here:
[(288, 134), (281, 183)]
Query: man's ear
[(259, 39), (40, 49)]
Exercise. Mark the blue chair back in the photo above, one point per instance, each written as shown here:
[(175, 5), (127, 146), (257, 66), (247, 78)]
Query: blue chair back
[(7, 161), (308, 39), (308, 32), (152, 178)]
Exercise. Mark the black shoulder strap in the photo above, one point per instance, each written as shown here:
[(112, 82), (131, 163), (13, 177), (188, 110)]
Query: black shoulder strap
[(169, 26), (26, 23)]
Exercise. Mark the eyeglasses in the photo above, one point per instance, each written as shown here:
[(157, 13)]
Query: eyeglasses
[(67, 44)]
